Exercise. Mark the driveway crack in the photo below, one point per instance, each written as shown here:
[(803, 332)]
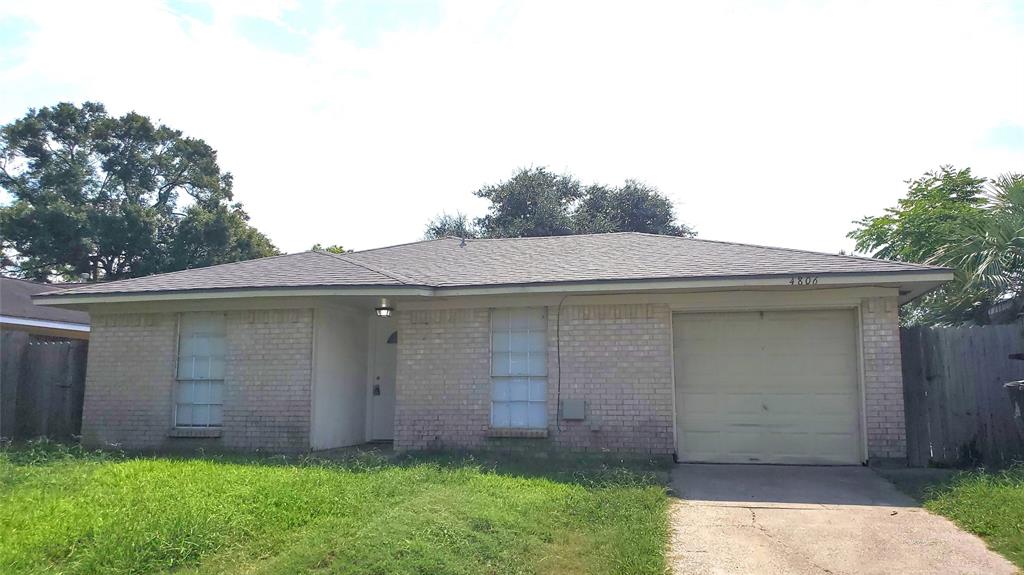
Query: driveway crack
[(764, 531)]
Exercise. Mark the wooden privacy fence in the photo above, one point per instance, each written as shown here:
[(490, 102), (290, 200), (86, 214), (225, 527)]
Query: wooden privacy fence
[(42, 385), (958, 410)]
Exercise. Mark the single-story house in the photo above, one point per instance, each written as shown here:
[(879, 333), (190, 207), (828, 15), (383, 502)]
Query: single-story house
[(623, 342)]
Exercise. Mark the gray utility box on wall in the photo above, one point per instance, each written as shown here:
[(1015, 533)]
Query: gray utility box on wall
[(573, 408)]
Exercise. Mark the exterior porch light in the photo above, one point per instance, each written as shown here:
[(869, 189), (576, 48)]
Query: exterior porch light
[(384, 309)]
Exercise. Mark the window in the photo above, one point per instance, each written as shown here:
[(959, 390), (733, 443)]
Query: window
[(519, 368), (199, 397)]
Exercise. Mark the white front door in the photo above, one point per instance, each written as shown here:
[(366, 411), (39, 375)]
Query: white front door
[(382, 390), (767, 387)]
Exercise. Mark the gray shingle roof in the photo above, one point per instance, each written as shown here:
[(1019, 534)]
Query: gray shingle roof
[(605, 257), (16, 301), (304, 269), (450, 262)]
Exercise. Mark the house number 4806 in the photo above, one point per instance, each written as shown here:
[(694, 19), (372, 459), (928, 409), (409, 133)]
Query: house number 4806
[(803, 281)]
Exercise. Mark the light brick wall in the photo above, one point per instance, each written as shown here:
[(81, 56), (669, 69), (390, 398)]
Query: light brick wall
[(268, 376), (618, 358), (883, 378), (129, 380), (443, 384)]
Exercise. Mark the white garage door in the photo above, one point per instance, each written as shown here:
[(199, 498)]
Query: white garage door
[(767, 387)]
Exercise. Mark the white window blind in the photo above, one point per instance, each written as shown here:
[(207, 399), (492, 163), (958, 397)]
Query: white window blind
[(199, 397), (519, 368)]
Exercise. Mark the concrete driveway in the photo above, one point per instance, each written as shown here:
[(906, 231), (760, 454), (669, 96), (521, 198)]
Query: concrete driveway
[(784, 519)]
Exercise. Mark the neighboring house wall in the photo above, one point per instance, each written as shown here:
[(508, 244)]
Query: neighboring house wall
[(618, 358), (131, 380), (339, 390)]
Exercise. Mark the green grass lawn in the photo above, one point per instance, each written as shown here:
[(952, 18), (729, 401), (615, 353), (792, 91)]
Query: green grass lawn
[(64, 511), (990, 505)]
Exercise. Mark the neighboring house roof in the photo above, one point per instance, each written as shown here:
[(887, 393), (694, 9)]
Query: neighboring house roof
[(18, 312), (473, 263)]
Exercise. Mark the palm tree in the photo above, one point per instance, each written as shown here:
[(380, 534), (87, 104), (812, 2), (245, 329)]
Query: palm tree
[(989, 258)]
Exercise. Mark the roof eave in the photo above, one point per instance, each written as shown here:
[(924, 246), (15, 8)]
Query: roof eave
[(911, 283), (74, 300), (905, 280)]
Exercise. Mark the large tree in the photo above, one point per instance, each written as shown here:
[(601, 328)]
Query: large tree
[(538, 202), (633, 207), (944, 219), (100, 197), (534, 202)]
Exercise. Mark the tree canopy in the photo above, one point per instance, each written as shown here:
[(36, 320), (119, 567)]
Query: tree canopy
[(971, 224), (538, 202), (456, 225), (99, 197), (332, 249)]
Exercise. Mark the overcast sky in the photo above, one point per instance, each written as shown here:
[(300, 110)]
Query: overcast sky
[(354, 122)]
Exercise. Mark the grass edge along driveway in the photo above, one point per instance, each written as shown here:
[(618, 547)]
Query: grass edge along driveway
[(68, 511), (989, 504)]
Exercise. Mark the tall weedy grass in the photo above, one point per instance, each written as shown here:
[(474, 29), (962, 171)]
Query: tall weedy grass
[(989, 504), (63, 510)]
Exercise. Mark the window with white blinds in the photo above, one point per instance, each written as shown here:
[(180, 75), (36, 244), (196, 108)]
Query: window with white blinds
[(199, 397), (519, 368)]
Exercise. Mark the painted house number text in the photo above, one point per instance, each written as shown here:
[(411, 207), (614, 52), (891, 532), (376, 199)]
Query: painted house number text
[(803, 281)]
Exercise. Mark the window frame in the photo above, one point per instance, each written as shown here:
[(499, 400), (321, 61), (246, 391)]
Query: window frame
[(530, 376), (194, 382)]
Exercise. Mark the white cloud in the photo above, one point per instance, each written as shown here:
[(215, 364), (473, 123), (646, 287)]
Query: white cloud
[(774, 124)]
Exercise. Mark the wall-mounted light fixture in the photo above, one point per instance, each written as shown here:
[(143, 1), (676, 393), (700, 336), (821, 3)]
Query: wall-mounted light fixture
[(384, 309)]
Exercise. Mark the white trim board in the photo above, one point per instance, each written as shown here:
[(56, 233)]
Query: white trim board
[(48, 324)]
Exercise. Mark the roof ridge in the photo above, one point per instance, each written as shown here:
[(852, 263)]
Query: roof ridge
[(403, 244), (796, 250), (541, 237), (397, 277)]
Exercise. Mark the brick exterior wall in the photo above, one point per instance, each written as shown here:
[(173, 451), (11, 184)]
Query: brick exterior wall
[(130, 382), (618, 358), (883, 378), (443, 384), (268, 375)]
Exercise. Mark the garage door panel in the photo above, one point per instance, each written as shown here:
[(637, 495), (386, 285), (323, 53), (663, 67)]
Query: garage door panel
[(772, 387), (696, 405)]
